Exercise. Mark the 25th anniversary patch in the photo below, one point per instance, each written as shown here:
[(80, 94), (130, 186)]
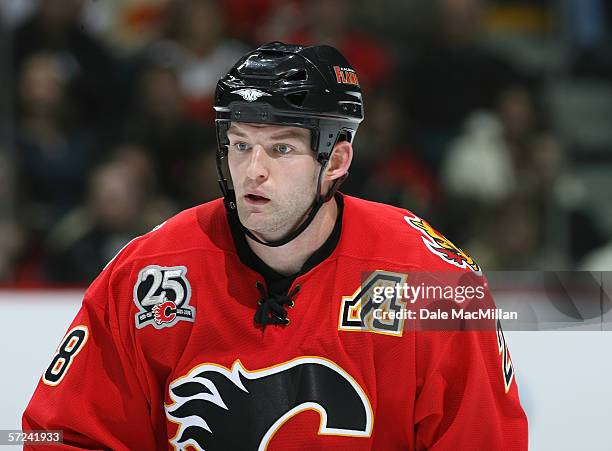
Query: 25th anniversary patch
[(162, 296)]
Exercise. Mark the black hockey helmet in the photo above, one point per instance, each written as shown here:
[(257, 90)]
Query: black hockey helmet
[(312, 87)]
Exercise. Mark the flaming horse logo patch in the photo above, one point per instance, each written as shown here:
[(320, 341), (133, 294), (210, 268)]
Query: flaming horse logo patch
[(441, 246)]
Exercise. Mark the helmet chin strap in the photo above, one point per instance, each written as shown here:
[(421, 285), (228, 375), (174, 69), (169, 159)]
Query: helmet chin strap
[(314, 209)]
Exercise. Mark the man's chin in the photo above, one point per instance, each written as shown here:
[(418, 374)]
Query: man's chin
[(254, 221), (261, 229), (253, 218)]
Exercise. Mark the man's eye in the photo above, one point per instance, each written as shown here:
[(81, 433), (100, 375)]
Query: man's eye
[(241, 147), (283, 149)]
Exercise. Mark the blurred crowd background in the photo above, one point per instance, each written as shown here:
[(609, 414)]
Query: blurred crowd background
[(492, 119)]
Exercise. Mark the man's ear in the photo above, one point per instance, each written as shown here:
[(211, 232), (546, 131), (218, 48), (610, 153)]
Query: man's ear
[(340, 160)]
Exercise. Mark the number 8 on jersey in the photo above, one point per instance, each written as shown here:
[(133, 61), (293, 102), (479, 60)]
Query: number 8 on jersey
[(66, 352)]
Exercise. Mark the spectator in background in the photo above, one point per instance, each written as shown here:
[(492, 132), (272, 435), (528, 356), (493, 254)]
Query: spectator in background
[(5, 81), (479, 165), (507, 236), (11, 235), (451, 76), (388, 170), (141, 165), (52, 156), (331, 22), (174, 141), (86, 64), (251, 19), (7, 184), (194, 44), (11, 244), (587, 28), (489, 160), (566, 223), (503, 159), (205, 185), (87, 238)]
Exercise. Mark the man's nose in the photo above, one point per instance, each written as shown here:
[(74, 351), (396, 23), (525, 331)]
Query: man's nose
[(258, 168)]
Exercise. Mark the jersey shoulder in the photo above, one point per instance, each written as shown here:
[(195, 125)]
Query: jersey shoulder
[(397, 235), (203, 227), (190, 236)]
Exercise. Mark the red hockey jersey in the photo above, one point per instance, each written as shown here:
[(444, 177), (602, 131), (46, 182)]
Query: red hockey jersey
[(164, 352)]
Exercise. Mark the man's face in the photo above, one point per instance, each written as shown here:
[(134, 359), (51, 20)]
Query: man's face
[(274, 172)]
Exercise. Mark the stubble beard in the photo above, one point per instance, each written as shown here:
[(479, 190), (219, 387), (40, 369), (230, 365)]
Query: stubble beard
[(279, 217)]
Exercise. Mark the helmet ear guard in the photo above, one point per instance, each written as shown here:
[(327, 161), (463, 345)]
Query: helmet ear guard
[(289, 85)]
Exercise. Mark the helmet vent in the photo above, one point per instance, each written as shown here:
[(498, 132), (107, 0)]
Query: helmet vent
[(298, 75), (297, 98)]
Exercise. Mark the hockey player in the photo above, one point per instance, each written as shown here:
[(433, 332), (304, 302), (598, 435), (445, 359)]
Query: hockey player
[(247, 323)]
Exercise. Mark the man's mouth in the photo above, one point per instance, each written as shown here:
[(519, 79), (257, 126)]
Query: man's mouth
[(255, 199)]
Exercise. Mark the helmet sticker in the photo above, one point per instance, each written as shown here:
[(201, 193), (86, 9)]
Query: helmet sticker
[(346, 75), (250, 95)]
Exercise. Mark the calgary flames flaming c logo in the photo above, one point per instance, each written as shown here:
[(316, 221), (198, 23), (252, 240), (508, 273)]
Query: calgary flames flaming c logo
[(219, 408)]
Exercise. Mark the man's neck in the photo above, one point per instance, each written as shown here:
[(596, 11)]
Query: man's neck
[(289, 258)]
